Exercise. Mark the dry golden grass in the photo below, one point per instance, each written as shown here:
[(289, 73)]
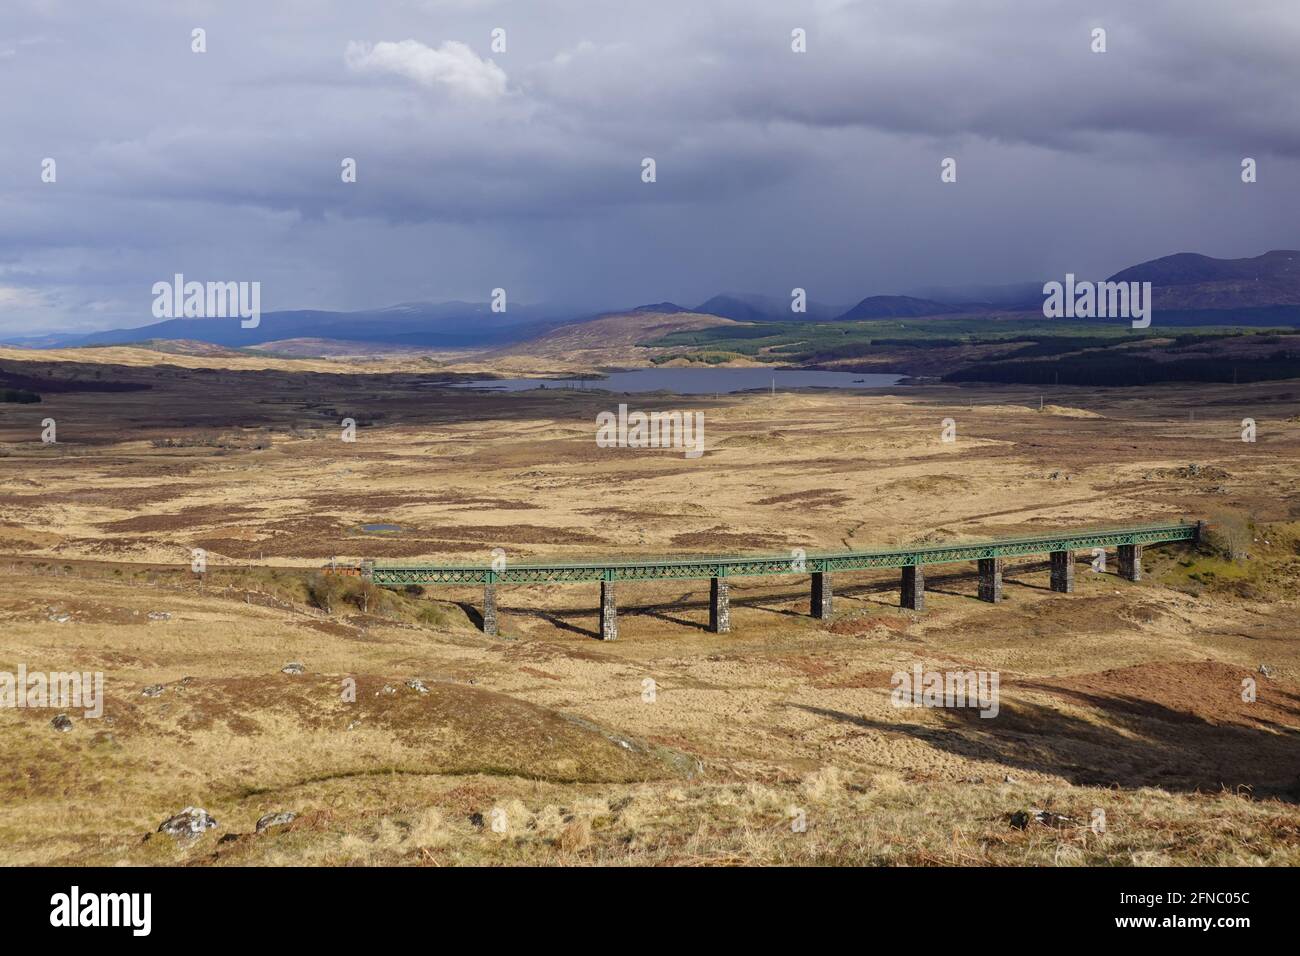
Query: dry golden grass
[(1121, 697)]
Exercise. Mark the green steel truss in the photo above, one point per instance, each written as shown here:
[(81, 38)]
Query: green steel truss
[(691, 567)]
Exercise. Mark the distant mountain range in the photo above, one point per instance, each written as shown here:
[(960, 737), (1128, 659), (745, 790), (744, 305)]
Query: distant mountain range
[(1189, 289), (415, 324)]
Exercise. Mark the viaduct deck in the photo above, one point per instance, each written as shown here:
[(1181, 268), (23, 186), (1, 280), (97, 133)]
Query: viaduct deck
[(912, 559)]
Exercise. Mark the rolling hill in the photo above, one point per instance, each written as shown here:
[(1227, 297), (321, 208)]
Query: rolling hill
[(1188, 280), (610, 339), (896, 307), (764, 308)]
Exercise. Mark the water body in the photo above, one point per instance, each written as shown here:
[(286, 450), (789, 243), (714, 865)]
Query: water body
[(381, 528), (695, 381)]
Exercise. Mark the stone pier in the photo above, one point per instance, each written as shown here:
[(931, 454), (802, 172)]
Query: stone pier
[(719, 605), (821, 595), (490, 609), (1130, 562), (913, 590), (1063, 571), (990, 580), (608, 612)]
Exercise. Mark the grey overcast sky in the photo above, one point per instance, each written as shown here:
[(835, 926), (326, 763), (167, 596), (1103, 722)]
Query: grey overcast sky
[(522, 169)]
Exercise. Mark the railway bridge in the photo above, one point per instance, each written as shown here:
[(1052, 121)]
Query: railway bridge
[(911, 561)]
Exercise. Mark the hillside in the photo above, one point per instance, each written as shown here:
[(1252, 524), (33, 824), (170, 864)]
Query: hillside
[(1189, 280), (764, 308), (897, 306), (610, 339), (49, 362)]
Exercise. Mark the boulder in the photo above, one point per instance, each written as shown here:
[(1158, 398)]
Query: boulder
[(189, 824), (268, 820)]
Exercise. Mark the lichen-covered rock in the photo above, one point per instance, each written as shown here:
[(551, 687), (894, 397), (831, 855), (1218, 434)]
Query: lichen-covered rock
[(153, 690), (417, 685), (280, 819), (293, 667), (62, 723), (189, 824)]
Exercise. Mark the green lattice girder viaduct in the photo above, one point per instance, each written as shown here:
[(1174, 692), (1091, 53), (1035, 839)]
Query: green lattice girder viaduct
[(913, 560)]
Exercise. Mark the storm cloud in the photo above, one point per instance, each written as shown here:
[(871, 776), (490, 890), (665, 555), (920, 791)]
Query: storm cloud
[(480, 168)]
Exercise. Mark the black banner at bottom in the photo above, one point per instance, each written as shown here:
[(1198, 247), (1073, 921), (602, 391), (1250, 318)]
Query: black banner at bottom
[(338, 905)]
